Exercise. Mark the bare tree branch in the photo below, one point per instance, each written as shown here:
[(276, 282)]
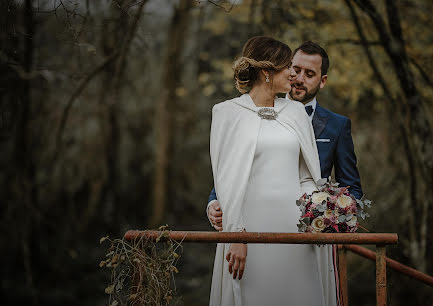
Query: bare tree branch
[(423, 74), (228, 10), (391, 103), (83, 84), (353, 41), (364, 42), (121, 63), (414, 125)]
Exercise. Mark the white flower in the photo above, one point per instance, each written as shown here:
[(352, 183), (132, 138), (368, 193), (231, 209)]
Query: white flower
[(344, 201), (328, 213), (319, 197), (318, 224), (352, 221)]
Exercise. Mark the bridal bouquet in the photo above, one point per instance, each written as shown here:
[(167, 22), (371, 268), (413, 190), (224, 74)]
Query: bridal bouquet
[(331, 209)]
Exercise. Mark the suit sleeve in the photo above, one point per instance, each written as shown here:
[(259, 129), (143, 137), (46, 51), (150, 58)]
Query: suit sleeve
[(212, 198), (212, 195), (346, 172)]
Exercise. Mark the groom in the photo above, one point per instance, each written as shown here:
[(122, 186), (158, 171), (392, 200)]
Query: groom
[(333, 137)]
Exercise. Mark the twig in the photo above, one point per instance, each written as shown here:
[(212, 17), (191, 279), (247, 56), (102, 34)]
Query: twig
[(222, 7), (424, 75), (364, 228), (353, 41), (83, 84)]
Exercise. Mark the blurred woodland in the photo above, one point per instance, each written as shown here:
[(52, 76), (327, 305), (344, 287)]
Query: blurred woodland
[(105, 111)]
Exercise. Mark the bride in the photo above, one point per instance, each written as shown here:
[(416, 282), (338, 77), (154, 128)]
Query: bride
[(264, 157)]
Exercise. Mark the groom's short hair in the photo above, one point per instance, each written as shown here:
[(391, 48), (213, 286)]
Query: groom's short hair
[(312, 48)]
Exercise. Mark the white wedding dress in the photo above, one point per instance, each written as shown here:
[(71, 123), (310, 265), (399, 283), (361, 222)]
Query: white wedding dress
[(278, 274), (259, 173)]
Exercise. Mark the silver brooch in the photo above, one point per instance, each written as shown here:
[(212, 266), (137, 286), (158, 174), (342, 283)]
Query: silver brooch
[(267, 113)]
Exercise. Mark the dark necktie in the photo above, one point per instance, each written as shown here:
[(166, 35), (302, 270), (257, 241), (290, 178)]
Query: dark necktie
[(309, 110)]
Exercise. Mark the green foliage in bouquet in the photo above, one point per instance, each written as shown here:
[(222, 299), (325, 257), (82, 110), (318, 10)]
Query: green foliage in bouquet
[(142, 270)]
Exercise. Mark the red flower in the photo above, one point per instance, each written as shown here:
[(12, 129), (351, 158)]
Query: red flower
[(308, 215), (343, 228), (330, 205)]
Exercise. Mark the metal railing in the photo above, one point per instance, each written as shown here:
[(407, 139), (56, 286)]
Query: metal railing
[(345, 241), (366, 253)]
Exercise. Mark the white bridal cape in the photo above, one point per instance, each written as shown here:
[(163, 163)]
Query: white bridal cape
[(234, 133)]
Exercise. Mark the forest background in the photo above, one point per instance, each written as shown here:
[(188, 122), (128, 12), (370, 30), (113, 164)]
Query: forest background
[(105, 110)]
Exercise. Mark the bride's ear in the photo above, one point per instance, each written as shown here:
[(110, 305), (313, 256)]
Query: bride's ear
[(266, 75)]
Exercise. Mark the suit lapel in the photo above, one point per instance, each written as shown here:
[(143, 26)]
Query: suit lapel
[(320, 119)]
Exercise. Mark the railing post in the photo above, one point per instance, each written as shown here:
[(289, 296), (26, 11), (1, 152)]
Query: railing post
[(380, 275), (342, 274)]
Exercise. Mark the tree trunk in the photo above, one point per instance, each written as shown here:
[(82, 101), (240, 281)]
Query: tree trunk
[(25, 189), (116, 41), (163, 108), (415, 128)]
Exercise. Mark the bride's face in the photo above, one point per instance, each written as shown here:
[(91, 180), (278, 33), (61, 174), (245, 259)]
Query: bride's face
[(281, 81)]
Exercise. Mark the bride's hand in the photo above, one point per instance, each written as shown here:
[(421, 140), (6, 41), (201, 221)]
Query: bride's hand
[(237, 257)]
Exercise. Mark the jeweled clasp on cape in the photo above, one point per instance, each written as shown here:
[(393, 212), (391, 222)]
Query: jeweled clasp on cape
[(267, 113)]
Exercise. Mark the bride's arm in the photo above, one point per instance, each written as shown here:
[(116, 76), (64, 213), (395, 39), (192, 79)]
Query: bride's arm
[(306, 180), (309, 173)]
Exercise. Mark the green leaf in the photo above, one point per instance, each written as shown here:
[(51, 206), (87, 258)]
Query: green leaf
[(305, 220), (321, 182), (367, 202), (301, 227)]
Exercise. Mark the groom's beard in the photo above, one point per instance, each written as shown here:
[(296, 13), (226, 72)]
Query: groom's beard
[(308, 95)]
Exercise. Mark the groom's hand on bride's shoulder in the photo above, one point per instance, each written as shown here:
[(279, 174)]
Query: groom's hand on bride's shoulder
[(216, 216)]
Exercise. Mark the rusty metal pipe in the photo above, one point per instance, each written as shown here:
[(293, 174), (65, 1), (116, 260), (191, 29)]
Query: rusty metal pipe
[(276, 238), (393, 264), (342, 275), (380, 275)]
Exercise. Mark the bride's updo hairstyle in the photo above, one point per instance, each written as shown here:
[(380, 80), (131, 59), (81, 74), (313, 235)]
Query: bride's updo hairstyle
[(260, 52)]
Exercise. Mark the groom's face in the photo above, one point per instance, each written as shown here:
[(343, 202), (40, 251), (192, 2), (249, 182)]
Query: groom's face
[(306, 76)]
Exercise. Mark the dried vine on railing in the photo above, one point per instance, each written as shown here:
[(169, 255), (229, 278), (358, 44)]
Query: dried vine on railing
[(142, 270)]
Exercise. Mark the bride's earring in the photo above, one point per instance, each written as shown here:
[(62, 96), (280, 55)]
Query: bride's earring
[(267, 79)]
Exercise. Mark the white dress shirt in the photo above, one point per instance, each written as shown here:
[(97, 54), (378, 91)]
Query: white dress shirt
[(313, 103)]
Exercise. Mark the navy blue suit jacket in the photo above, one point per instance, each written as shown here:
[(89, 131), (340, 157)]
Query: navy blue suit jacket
[(335, 146)]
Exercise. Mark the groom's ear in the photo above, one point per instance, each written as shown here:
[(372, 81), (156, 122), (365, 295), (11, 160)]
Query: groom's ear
[(323, 80)]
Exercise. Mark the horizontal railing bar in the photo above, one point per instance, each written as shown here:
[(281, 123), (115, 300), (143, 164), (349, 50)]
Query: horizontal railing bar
[(393, 264), (275, 238)]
